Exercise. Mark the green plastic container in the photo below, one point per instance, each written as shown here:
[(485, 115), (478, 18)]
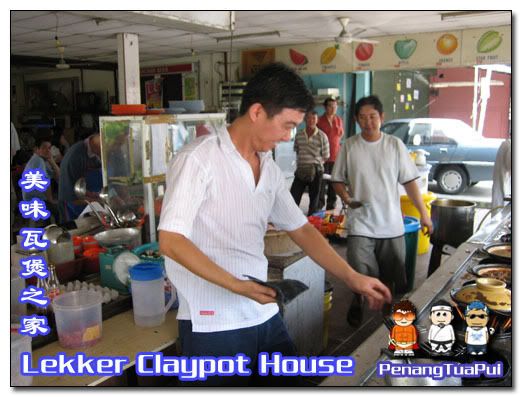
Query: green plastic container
[(411, 237)]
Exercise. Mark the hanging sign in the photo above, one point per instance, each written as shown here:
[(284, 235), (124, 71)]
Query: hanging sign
[(154, 93)]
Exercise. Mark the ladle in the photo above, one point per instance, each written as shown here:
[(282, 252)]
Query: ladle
[(80, 189), (104, 197)]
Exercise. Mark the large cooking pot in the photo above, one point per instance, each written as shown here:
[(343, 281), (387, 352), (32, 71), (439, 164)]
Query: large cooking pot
[(452, 221)]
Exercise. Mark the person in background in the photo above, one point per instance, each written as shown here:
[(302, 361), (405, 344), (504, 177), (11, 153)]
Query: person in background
[(332, 126), (212, 235), (501, 175), (81, 160), (312, 148), (43, 160), (59, 145), (15, 146), (372, 164)]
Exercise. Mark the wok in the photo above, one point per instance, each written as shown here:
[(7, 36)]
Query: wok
[(499, 251), (499, 271), (129, 237)]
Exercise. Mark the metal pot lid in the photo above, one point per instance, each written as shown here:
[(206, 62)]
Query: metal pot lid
[(498, 299), (500, 272), (121, 265)]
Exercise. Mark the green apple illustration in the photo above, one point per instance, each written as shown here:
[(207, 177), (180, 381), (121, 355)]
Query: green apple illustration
[(405, 48)]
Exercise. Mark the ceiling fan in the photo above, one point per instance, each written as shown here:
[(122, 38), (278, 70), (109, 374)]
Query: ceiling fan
[(62, 65), (345, 37)]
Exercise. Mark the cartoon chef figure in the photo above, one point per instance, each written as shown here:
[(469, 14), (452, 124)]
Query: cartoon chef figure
[(403, 335), (477, 333), (441, 336)]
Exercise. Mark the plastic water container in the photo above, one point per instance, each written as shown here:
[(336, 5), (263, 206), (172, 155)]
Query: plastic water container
[(409, 209), (19, 344), (148, 294), (422, 181), (78, 318), (411, 238)]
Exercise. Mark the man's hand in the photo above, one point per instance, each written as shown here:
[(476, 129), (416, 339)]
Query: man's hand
[(255, 291), (354, 204), (426, 224), (371, 288)]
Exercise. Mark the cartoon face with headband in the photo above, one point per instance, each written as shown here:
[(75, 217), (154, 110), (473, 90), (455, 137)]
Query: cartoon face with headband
[(441, 336)]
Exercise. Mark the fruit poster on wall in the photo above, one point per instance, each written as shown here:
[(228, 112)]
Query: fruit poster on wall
[(326, 57), (486, 46), (440, 49)]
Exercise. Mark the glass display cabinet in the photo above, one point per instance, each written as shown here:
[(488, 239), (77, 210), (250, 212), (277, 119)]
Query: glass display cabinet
[(135, 153)]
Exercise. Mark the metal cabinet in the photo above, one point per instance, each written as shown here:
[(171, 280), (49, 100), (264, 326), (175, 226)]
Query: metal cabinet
[(135, 153)]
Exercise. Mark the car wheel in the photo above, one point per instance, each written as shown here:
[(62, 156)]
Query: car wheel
[(452, 179)]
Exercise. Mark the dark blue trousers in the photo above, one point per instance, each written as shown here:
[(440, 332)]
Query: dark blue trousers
[(270, 337)]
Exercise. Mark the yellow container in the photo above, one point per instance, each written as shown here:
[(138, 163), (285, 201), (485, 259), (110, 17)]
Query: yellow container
[(409, 209)]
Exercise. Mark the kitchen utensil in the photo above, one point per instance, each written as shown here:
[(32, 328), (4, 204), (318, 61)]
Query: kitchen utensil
[(114, 266), (61, 252), (78, 318), (80, 189), (286, 289), (129, 237), (500, 272), (148, 294), (104, 197), (499, 251), (488, 290), (452, 221), (54, 233)]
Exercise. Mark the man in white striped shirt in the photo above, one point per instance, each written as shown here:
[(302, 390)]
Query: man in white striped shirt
[(312, 149), (222, 190)]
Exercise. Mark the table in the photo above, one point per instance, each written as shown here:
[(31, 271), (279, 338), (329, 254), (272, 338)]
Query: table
[(120, 337)]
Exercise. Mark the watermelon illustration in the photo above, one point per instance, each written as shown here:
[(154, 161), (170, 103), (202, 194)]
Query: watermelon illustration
[(298, 58)]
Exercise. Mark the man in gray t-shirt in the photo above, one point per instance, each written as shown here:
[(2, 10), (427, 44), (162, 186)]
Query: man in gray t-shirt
[(371, 164)]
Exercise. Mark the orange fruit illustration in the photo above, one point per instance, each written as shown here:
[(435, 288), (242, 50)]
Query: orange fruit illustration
[(447, 43)]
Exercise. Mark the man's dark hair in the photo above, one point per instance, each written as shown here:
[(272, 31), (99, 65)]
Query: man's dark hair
[(329, 99), (43, 135), (372, 100), (311, 112), (276, 87)]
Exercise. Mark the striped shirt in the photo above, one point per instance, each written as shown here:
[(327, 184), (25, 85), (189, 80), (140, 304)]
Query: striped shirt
[(311, 150), (212, 199)]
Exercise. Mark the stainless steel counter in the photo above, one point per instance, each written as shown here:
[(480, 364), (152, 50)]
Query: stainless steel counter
[(452, 273)]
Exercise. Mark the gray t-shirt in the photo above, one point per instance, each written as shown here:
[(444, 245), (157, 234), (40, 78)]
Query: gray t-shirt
[(372, 170)]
